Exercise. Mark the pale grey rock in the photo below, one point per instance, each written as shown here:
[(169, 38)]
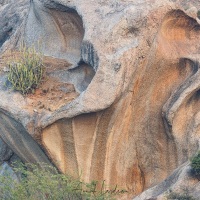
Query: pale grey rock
[(14, 134), (6, 170), (58, 29), (12, 22)]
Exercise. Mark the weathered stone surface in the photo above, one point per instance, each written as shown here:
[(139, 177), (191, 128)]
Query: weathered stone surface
[(7, 170), (20, 141), (5, 152), (180, 181), (13, 16), (57, 28), (136, 119)]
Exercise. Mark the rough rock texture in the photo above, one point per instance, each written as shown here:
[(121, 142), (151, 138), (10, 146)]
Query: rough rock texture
[(136, 119), (180, 181), (13, 17), (14, 133), (58, 29), (5, 152), (6, 169)]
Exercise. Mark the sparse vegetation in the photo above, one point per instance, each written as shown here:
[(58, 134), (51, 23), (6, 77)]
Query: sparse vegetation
[(179, 196), (195, 164), (26, 72), (198, 14), (48, 184)]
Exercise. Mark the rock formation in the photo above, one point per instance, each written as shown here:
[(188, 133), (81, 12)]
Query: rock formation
[(133, 68), (5, 152)]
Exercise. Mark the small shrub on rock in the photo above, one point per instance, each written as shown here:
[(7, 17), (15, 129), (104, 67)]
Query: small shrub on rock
[(195, 164), (26, 72), (179, 196)]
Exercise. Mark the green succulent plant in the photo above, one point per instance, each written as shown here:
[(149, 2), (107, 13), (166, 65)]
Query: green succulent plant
[(26, 72)]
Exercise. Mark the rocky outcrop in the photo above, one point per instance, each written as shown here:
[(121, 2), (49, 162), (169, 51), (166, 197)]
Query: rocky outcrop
[(135, 67)]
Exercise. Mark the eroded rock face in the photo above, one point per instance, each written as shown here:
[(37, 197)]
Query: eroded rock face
[(14, 134), (58, 29), (136, 118), (180, 181), (12, 23)]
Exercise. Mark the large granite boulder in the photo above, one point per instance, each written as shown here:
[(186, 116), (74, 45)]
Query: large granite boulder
[(132, 117)]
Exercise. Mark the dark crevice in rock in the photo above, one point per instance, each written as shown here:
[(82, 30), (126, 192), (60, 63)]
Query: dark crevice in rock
[(80, 76), (89, 55), (5, 151), (17, 138), (12, 17), (57, 6), (195, 97), (180, 19), (194, 65), (191, 68), (8, 26)]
